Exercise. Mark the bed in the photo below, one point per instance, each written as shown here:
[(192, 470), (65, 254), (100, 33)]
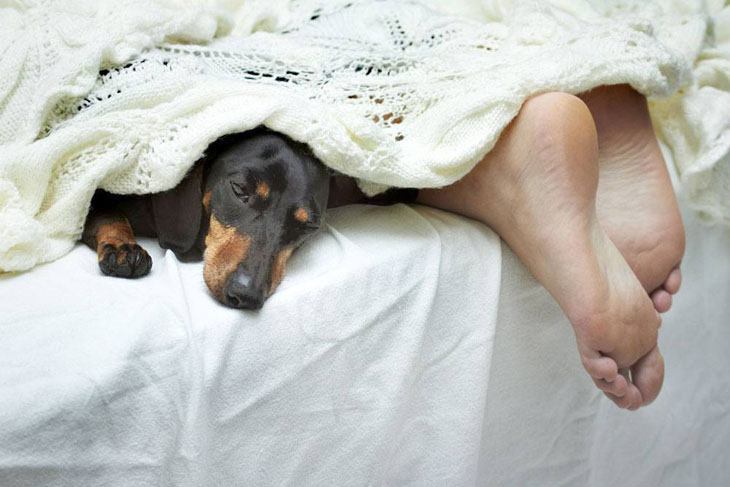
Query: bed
[(406, 346)]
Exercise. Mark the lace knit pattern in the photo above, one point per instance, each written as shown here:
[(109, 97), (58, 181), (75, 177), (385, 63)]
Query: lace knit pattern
[(127, 95)]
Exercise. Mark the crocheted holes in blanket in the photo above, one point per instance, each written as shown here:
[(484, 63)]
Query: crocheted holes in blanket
[(390, 92)]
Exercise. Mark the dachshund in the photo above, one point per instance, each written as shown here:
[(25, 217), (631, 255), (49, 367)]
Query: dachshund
[(243, 209)]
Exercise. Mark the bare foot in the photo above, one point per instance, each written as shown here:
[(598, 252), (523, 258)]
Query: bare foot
[(537, 190), (636, 203)]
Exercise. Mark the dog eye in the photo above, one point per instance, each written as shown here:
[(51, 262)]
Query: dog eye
[(241, 192)]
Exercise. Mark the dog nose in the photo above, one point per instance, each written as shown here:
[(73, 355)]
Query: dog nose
[(240, 295)]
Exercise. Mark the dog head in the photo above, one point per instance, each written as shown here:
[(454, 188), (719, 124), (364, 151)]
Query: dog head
[(264, 195)]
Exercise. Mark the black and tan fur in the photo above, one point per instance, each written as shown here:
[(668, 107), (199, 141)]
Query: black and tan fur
[(243, 209)]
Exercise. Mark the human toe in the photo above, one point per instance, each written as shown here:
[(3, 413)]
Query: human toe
[(648, 375), (617, 388), (598, 366), (662, 300), (674, 281), (631, 399)]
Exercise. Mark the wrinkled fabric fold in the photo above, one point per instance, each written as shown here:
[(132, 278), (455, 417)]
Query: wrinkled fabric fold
[(363, 365)]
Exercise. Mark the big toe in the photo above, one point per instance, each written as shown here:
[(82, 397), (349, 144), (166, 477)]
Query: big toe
[(662, 297), (674, 281), (648, 375)]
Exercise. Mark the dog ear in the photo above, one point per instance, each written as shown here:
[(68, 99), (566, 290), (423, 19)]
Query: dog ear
[(178, 213)]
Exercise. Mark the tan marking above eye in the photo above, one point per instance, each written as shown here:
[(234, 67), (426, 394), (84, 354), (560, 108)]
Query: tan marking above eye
[(263, 190), (301, 215), (206, 200)]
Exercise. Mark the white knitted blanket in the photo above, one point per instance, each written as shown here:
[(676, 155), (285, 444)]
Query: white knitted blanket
[(126, 95)]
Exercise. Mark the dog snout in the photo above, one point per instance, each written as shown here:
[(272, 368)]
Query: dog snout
[(242, 294)]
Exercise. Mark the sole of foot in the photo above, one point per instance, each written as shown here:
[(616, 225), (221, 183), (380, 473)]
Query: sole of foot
[(636, 204), (537, 189)]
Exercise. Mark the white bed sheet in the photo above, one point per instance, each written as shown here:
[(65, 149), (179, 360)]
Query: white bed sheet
[(368, 365), (405, 347)]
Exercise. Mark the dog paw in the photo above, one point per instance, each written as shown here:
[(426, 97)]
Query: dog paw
[(129, 261)]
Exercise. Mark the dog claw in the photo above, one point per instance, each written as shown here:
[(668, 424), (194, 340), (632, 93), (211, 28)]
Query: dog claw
[(129, 261)]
